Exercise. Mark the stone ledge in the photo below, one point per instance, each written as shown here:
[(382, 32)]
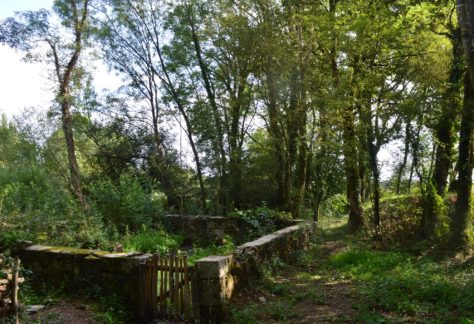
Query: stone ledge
[(218, 277)]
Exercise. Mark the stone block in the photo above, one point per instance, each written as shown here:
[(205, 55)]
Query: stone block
[(213, 267)]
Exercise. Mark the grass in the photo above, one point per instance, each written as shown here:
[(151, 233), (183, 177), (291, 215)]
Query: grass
[(151, 241), (404, 285), (344, 278)]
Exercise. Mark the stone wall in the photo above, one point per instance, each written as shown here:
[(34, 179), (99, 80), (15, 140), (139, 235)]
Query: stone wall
[(127, 276), (89, 272), (212, 229), (219, 277)]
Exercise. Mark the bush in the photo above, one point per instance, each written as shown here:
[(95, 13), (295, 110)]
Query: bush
[(33, 206), (334, 206), (151, 241), (126, 204), (263, 220)]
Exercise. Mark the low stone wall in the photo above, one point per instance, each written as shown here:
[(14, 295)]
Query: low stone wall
[(81, 271), (212, 229), (128, 276), (219, 277)]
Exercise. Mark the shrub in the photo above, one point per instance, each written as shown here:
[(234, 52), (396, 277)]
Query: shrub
[(126, 204), (334, 206), (263, 220), (151, 241)]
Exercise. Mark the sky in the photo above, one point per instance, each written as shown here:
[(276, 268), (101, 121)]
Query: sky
[(24, 85), (21, 84)]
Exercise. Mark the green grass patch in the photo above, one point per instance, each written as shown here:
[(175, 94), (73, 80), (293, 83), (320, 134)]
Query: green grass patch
[(400, 283), (151, 241)]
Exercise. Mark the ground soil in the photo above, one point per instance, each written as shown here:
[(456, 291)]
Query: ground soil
[(316, 297), (65, 312)]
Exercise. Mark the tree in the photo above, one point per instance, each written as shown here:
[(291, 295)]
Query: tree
[(465, 11), (132, 35), (65, 46)]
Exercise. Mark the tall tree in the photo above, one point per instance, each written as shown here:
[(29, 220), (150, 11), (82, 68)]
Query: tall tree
[(465, 11), (27, 31), (133, 34)]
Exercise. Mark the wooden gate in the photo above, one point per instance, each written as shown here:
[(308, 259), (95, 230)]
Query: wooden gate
[(173, 287)]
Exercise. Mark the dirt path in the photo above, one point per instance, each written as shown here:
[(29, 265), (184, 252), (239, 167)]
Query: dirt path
[(307, 291), (66, 312)]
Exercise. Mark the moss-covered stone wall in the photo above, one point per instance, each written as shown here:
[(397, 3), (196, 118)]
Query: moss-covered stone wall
[(212, 229), (219, 277), (86, 272)]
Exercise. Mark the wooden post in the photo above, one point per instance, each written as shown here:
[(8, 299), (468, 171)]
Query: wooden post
[(187, 298), (142, 309), (195, 305), (182, 284), (176, 286), (16, 304), (154, 290), (171, 282), (166, 288)]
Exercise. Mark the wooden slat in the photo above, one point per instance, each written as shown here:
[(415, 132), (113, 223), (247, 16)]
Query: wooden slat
[(162, 286), (181, 289), (187, 299), (176, 286), (171, 286), (173, 296), (167, 275), (154, 276)]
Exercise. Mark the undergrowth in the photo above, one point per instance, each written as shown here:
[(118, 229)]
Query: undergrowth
[(406, 285), (369, 285)]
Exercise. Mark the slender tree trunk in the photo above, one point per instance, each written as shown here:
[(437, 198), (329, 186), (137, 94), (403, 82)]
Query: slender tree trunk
[(318, 199), (444, 132), (235, 140), (362, 154), (219, 143), (279, 144), (64, 95), (301, 158), (374, 167), (320, 161), (461, 214), (406, 151), (356, 220), (71, 152)]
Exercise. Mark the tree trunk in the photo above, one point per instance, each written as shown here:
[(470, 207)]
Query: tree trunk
[(444, 131), (356, 220), (298, 138), (374, 167), (463, 188), (401, 170), (219, 143), (465, 11), (279, 144), (64, 96)]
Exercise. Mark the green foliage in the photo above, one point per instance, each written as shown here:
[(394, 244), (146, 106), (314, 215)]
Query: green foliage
[(34, 207), (201, 252), (334, 206), (401, 218), (434, 222), (110, 310), (126, 204), (401, 283), (246, 315), (262, 220), (151, 241), (7, 240)]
